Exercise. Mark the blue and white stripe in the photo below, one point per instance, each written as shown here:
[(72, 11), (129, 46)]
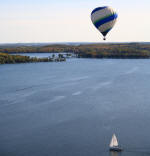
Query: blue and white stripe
[(104, 19)]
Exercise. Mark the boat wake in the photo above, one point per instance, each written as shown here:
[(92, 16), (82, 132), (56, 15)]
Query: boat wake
[(57, 98), (133, 70), (77, 93), (101, 85)]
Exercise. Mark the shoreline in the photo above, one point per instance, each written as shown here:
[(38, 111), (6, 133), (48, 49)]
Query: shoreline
[(16, 59), (107, 51)]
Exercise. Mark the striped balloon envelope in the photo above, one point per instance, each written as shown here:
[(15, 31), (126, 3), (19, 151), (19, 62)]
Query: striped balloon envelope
[(104, 18)]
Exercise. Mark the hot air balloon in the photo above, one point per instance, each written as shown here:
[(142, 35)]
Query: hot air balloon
[(104, 18)]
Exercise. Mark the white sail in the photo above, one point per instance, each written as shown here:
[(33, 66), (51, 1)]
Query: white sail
[(114, 141)]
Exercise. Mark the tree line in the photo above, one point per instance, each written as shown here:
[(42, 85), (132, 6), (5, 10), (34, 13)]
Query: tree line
[(11, 59), (118, 50)]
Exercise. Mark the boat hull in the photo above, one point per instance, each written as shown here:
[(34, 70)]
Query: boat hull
[(117, 149)]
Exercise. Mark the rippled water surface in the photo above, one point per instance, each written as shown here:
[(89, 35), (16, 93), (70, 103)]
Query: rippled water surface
[(72, 108)]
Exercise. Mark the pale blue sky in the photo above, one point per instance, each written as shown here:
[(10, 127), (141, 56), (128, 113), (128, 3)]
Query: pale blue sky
[(69, 21)]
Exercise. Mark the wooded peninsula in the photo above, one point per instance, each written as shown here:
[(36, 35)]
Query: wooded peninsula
[(108, 50), (12, 59)]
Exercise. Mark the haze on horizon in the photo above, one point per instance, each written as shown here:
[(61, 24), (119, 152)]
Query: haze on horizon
[(69, 21)]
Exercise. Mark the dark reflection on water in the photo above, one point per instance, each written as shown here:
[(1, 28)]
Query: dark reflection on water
[(114, 153)]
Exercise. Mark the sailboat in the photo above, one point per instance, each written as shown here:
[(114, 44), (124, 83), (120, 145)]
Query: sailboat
[(114, 146)]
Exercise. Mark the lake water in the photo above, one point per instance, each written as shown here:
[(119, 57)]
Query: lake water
[(39, 55), (72, 108)]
